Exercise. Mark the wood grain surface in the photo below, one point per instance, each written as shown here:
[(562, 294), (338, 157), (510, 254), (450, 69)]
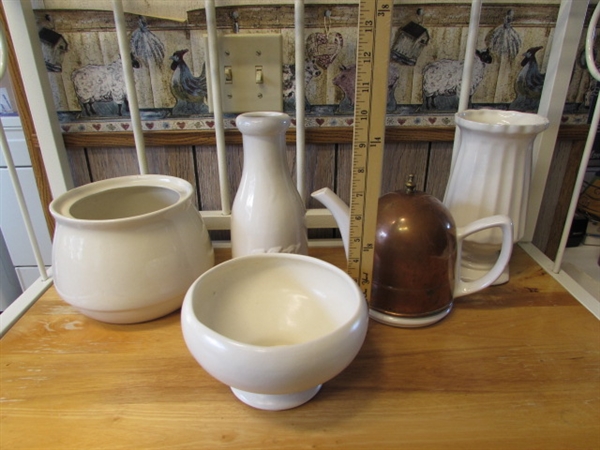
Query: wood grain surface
[(515, 366)]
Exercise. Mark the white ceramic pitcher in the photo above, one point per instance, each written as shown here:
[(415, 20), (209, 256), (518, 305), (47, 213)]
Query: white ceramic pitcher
[(491, 175)]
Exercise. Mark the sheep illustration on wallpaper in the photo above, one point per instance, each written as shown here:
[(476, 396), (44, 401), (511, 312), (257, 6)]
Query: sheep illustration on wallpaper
[(102, 86), (54, 48), (442, 79), (54, 45), (100, 89)]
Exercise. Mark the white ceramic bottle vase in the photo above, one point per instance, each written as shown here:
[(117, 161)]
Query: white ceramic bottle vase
[(268, 214), (491, 175)]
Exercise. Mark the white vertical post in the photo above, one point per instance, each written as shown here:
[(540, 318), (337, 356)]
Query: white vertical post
[(589, 144), (14, 178), (565, 42), (465, 86), (21, 24), (134, 110), (467, 76), (213, 54), (300, 104)]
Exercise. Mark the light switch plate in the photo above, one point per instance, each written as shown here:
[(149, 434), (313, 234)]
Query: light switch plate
[(250, 72)]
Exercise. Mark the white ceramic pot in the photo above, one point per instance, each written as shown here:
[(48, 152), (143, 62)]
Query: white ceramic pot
[(267, 215), (275, 326), (127, 249)]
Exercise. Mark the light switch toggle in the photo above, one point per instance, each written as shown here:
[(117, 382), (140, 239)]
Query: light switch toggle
[(258, 72), (228, 74)]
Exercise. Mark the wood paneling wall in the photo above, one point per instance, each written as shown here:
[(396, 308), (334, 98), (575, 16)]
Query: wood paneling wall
[(423, 151), (557, 196), (328, 160)]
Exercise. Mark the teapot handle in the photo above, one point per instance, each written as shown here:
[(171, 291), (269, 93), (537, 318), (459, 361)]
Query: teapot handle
[(461, 287)]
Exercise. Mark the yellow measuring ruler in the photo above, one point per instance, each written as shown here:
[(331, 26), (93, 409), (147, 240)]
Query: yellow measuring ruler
[(372, 59)]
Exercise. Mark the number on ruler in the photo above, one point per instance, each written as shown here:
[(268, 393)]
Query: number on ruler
[(369, 119)]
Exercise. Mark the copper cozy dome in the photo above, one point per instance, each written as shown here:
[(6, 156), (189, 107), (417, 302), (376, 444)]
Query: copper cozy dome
[(415, 255)]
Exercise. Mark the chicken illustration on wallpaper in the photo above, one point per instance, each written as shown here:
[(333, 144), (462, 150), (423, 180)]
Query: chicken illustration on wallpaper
[(529, 83), (189, 90)]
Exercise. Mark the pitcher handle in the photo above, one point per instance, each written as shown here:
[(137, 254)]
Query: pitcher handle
[(461, 287)]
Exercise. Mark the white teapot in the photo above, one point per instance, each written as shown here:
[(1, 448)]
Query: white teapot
[(416, 270)]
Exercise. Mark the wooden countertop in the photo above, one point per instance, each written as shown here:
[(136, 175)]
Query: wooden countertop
[(514, 366)]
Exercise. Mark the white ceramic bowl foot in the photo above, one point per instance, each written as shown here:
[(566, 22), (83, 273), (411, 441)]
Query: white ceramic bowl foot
[(409, 322), (276, 402)]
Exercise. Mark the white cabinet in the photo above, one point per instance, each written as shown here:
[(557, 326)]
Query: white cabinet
[(11, 221)]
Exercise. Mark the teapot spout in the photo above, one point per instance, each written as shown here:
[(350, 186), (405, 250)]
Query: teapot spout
[(340, 211)]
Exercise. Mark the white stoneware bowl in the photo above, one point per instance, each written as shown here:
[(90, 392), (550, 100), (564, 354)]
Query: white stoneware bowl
[(274, 326), (127, 249)]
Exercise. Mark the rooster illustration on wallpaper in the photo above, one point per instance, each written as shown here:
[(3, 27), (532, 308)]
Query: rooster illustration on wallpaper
[(189, 90), (529, 83)]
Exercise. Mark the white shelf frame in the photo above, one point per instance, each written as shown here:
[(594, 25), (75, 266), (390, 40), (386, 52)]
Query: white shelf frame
[(21, 23)]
